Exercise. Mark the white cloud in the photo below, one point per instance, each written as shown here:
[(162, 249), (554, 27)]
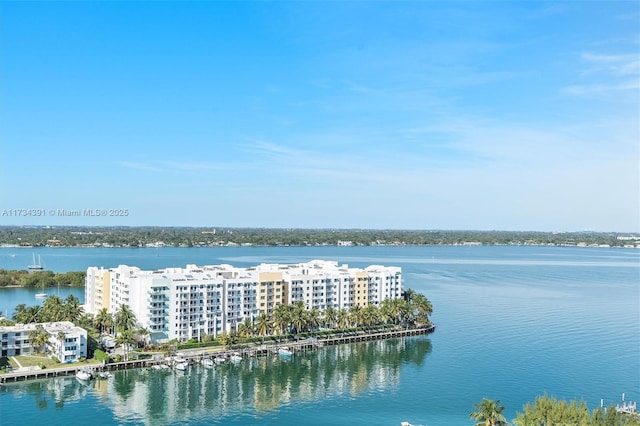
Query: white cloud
[(581, 90), (625, 64), (609, 74)]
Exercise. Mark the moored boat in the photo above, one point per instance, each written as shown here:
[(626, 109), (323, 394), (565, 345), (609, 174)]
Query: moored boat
[(285, 351), (84, 375), (36, 266)]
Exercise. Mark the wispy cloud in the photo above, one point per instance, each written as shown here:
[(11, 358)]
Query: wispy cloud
[(609, 74), (581, 90), (625, 64), (171, 166), (147, 167)]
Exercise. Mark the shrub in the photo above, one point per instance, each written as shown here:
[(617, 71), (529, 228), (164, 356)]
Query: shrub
[(101, 356)]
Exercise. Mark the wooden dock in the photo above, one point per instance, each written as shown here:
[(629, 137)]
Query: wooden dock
[(627, 407), (195, 355)]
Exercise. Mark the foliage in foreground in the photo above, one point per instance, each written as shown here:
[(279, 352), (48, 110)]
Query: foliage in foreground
[(489, 413), (549, 411)]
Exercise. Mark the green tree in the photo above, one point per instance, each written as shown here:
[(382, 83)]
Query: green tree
[(72, 309), (330, 316), (125, 319), (245, 328), (126, 339), (420, 308), (489, 413), (141, 336), (263, 325), (355, 316), (342, 318), (281, 319), (223, 339), (104, 321), (370, 315), (38, 337), (298, 317), (313, 319), (21, 314), (52, 309)]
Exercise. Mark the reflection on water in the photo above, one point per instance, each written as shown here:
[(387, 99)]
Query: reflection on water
[(254, 386)]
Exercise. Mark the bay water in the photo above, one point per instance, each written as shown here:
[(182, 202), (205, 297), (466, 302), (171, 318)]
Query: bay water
[(512, 322)]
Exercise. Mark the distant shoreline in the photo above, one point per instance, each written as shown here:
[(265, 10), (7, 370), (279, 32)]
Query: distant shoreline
[(191, 237), (464, 244)]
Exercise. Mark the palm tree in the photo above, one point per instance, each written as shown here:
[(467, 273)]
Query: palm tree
[(421, 308), (142, 336), (38, 337), (387, 311), (355, 315), (298, 317), (52, 309), (281, 318), (409, 294), (263, 325), (104, 320), (330, 316), (21, 314), (245, 328), (125, 319), (72, 309), (223, 338), (35, 314), (86, 321), (126, 339), (343, 318), (313, 319), (60, 336), (370, 315), (489, 413)]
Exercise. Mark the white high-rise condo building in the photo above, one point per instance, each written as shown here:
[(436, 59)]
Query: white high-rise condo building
[(187, 303)]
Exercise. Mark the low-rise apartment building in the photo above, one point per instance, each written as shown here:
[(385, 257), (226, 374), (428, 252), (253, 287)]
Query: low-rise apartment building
[(66, 342)]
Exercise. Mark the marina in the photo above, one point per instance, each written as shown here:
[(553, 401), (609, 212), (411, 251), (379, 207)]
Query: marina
[(200, 356)]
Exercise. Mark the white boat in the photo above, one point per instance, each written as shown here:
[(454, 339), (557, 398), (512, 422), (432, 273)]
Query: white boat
[(161, 367), (42, 294), (235, 357), (36, 265), (220, 359), (181, 365), (83, 375), (104, 375), (284, 351), (208, 363)]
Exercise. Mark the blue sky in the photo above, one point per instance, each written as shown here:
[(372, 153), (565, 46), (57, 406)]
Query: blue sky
[(407, 115)]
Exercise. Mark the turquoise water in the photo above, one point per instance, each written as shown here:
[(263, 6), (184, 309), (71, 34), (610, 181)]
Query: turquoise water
[(513, 322)]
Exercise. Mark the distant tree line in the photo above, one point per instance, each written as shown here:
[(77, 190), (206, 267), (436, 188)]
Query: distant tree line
[(69, 236), (40, 279)]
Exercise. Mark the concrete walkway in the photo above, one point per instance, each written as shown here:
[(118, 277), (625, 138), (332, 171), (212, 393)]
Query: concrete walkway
[(16, 361)]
